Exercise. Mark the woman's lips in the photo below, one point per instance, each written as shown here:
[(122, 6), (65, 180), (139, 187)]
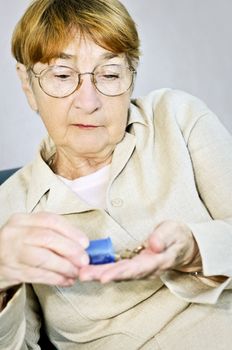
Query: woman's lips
[(85, 126)]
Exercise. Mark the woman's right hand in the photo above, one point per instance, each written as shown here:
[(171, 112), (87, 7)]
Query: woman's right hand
[(41, 248)]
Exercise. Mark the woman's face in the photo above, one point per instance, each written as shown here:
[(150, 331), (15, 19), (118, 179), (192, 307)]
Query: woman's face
[(86, 123)]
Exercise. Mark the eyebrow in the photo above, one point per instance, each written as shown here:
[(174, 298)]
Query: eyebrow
[(65, 56), (103, 57), (108, 56)]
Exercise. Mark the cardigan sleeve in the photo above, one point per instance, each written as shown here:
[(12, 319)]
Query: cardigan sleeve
[(20, 323), (210, 148)]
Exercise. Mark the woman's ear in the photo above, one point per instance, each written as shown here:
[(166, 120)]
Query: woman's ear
[(26, 85)]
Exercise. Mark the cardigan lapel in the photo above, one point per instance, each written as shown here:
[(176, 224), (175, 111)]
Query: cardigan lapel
[(59, 198)]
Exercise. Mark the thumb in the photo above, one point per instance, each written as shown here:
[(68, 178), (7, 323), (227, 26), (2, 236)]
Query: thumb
[(155, 243)]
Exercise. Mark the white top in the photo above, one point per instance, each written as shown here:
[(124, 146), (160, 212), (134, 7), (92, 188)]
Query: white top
[(91, 188)]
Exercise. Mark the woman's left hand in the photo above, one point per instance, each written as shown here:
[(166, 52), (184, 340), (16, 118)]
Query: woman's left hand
[(171, 246)]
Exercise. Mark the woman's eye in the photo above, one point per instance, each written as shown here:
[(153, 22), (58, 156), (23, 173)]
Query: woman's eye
[(110, 76), (62, 76)]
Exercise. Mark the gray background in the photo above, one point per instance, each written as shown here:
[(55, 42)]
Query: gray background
[(186, 44)]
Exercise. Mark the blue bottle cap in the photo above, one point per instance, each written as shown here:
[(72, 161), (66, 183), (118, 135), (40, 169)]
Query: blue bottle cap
[(101, 251)]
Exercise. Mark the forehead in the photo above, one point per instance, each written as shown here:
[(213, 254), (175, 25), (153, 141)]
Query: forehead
[(86, 50)]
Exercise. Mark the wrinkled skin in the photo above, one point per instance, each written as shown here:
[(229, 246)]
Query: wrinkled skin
[(40, 248), (170, 246)]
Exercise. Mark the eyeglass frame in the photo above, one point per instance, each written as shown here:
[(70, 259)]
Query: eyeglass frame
[(79, 74)]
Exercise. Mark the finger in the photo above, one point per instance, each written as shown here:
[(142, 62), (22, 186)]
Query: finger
[(112, 270), (27, 274), (178, 239), (162, 254), (155, 243), (63, 246), (93, 272), (162, 237), (47, 260), (138, 267), (125, 270), (54, 222), (144, 265), (36, 275)]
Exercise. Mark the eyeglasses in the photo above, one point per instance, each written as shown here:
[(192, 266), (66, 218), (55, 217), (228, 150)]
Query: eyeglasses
[(110, 80)]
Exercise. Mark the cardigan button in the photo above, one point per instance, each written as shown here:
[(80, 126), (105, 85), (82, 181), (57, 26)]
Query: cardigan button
[(117, 202)]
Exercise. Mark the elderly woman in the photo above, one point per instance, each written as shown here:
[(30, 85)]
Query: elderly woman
[(153, 174)]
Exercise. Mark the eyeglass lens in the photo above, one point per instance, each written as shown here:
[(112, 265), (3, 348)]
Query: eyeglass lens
[(110, 80)]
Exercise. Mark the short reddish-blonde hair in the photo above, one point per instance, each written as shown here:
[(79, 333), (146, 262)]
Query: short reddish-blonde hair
[(47, 27)]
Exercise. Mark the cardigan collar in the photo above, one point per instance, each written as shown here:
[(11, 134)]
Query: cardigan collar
[(45, 183)]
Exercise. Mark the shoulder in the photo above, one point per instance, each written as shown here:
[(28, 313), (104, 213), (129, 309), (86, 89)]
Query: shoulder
[(20, 178), (171, 106), (13, 193), (170, 100)]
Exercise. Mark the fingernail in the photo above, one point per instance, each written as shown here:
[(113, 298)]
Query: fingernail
[(84, 242), (85, 278), (84, 260), (69, 282)]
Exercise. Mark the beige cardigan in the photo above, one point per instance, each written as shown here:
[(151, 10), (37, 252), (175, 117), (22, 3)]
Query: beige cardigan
[(175, 162)]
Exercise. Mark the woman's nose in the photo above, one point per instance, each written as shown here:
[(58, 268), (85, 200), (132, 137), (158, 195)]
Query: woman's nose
[(87, 97)]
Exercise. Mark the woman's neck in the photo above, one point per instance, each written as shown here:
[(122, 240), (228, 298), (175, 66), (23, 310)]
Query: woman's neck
[(74, 167)]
